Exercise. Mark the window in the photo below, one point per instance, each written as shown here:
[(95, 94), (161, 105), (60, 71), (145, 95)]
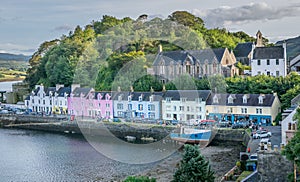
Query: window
[(230, 100), (60, 103), (119, 106), (258, 62), (244, 99), (268, 61), (151, 115), (130, 107), (99, 105), (120, 114), (277, 61), (188, 69), (198, 100), (39, 101), (277, 73), (258, 73), (33, 101), (44, 102), (260, 99), (168, 115), (140, 98), (107, 113), (244, 110), (151, 107), (183, 99), (188, 108), (107, 105), (198, 109), (168, 108), (168, 99), (151, 98), (140, 107), (174, 108), (199, 116), (181, 108), (268, 73), (258, 111), (129, 98)]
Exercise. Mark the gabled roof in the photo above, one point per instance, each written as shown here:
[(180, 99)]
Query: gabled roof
[(243, 49), (295, 60), (78, 91), (275, 52), (103, 93), (157, 96), (190, 95), (238, 101), (61, 91), (195, 55)]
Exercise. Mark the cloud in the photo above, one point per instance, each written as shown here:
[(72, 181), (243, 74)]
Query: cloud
[(63, 28), (225, 15)]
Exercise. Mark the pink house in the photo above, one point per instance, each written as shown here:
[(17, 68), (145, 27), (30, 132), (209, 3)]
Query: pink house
[(85, 102)]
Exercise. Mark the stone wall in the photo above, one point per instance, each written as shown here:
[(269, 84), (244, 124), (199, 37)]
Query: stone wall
[(272, 166)]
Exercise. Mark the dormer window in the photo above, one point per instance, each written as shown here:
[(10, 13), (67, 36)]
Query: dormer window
[(129, 98), (215, 99), (168, 99), (107, 97), (230, 100), (260, 99), (151, 98), (119, 97), (245, 99), (140, 98)]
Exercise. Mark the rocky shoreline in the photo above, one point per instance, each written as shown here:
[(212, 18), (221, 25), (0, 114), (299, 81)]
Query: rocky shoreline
[(221, 159)]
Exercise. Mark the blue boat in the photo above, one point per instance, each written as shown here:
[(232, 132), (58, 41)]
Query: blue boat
[(202, 134)]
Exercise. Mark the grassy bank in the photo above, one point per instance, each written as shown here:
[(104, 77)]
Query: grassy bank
[(11, 75)]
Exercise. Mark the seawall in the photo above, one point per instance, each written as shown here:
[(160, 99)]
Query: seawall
[(121, 130)]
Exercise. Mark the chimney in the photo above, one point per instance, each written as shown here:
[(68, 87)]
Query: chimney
[(58, 86), (119, 89), (259, 39), (151, 90), (131, 89), (74, 86), (160, 49), (164, 88)]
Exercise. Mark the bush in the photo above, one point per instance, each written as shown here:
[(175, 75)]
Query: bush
[(139, 179), (193, 167)]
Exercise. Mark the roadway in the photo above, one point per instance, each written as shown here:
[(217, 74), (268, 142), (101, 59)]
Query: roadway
[(275, 139)]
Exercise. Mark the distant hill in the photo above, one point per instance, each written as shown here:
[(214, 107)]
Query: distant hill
[(293, 46), (13, 57)]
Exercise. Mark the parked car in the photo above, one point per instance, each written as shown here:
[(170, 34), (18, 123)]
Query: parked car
[(262, 134), (253, 157), (240, 124), (224, 123)]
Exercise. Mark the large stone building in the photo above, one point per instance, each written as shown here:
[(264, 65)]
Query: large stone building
[(196, 63)]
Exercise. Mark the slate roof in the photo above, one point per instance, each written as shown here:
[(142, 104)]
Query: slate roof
[(195, 55), (47, 90), (295, 60), (157, 96), (190, 95), (238, 101), (61, 91), (275, 52), (103, 93), (243, 49), (78, 91)]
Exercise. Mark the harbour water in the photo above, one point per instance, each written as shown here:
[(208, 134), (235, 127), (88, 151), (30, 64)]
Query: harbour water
[(39, 156)]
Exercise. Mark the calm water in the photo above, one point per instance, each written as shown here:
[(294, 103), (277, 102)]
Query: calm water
[(37, 156)]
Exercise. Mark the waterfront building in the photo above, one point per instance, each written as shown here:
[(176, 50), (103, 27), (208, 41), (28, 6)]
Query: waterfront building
[(168, 65), (48, 100), (184, 105), (260, 108), (137, 105)]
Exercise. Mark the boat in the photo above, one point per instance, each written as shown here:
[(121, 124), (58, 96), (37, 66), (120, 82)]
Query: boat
[(201, 134), (130, 138)]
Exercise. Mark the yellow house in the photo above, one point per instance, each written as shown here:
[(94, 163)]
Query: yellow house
[(260, 108)]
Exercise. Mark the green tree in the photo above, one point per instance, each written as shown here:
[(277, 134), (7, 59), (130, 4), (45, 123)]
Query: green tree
[(193, 167), (139, 179)]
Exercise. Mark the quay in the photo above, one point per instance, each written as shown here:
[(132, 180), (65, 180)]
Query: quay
[(119, 129)]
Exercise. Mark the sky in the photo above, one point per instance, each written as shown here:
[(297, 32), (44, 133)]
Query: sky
[(25, 24)]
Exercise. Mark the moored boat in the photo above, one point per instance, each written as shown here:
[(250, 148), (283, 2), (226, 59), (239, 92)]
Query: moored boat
[(201, 134)]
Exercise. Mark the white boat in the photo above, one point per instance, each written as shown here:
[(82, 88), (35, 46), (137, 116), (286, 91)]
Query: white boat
[(202, 134)]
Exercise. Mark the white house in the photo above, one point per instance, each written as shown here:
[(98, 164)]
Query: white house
[(137, 105), (184, 105), (48, 99), (269, 61)]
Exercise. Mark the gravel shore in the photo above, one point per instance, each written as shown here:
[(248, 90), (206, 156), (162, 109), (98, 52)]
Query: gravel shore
[(221, 159)]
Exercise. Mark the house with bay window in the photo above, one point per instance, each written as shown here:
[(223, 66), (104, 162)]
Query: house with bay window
[(137, 105), (184, 105), (260, 108)]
